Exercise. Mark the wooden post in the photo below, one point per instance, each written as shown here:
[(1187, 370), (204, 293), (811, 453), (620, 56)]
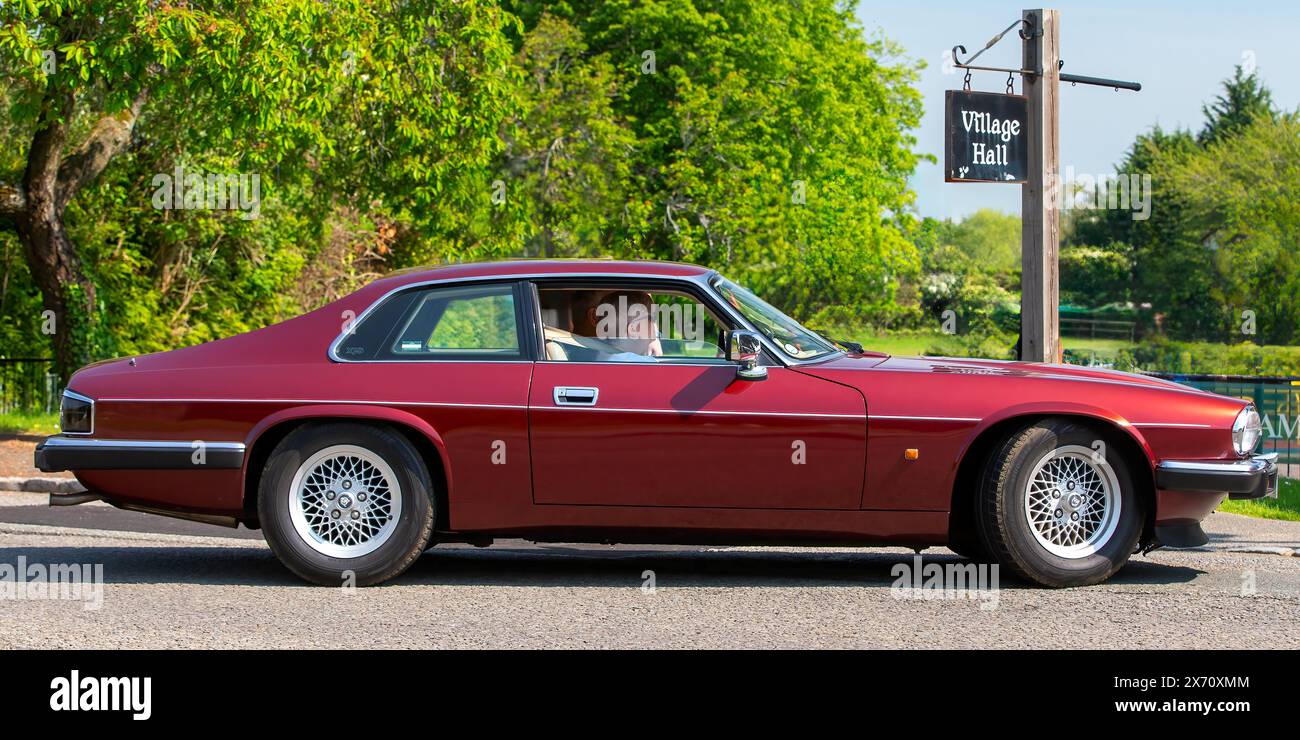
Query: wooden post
[(1040, 236)]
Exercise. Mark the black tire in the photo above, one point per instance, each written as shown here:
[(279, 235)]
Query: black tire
[(969, 546), (1004, 525), (410, 534)]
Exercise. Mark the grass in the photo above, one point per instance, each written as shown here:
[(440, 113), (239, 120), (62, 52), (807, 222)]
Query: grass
[(1104, 347), (1285, 506), (898, 343), (26, 422)]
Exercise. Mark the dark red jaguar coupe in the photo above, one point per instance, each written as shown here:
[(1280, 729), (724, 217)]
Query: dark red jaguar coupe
[(603, 401)]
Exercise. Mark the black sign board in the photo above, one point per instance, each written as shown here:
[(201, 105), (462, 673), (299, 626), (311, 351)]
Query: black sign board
[(987, 137)]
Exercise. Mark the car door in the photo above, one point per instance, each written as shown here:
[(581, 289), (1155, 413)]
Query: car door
[(686, 432), (457, 358)]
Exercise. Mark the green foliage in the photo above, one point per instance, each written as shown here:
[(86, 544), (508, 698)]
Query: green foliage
[(481, 322), (1092, 276), (1242, 195), (1244, 358), (769, 140), (568, 160), (348, 113), (1244, 99), (20, 304), (990, 241), (29, 422), (1222, 233)]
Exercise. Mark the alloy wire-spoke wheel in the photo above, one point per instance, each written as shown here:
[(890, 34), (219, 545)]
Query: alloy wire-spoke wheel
[(345, 501), (1071, 502), (1058, 503)]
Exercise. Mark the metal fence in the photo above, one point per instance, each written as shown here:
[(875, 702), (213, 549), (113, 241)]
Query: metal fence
[(1278, 401), (1093, 328), (28, 385)]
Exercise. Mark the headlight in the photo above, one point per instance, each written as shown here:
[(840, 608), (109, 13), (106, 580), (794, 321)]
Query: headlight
[(76, 414), (1246, 431)]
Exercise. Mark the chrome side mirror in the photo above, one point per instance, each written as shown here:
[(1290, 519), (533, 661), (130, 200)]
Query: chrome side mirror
[(745, 348)]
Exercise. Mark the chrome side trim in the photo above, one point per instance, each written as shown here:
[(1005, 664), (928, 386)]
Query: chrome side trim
[(489, 406), (132, 444), (433, 362), (690, 412), (704, 283), (1170, 425), (703, 280), (337, 402), (65, 453), (666, 363), (925, 418), (332, 353)]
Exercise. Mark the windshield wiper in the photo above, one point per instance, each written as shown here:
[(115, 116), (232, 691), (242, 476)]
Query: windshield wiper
[(842, 343)]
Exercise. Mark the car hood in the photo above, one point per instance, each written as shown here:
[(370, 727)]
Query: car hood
[(965, 366)]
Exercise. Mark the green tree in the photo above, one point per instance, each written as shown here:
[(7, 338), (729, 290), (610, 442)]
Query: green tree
[(356, 100), (569, 154), (1095, 276), (773, 141), (991, 241), (1176, 255), (1242, 196), (1244, 99), (767, 140)]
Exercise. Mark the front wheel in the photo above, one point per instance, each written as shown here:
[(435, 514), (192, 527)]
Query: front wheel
[(346, 503), (1058, 506)]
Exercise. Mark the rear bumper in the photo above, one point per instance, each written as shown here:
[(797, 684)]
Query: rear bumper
[(72, 453), (1240, 479)]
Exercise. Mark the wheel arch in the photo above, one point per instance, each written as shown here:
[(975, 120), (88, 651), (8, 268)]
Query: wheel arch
[(268, 433), (1126, 438)]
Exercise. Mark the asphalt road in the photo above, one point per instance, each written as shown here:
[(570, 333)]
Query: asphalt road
[(174, 584)]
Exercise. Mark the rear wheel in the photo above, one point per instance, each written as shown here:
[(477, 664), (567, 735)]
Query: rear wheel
[(1058, 506), (346, 503)]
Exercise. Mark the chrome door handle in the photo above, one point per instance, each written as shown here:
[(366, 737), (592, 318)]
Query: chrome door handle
[(570, 396)]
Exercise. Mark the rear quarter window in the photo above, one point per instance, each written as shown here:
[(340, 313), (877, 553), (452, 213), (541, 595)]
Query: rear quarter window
[(450, 323)]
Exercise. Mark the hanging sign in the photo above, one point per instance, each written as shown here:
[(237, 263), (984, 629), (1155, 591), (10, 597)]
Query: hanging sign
[(987, 137)]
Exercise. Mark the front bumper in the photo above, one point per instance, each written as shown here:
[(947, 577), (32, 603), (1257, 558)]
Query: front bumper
[(1240, 479), (73, 453)]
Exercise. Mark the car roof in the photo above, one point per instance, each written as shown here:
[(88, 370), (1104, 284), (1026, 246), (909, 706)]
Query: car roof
[(543, 267)]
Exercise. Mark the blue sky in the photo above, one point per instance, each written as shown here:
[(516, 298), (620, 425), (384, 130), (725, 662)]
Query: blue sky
[(1179, 51)]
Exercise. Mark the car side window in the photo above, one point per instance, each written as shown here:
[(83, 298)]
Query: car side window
[(628, 325), (462, 323)]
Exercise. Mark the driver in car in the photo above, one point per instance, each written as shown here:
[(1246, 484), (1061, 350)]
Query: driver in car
[(610, 326)]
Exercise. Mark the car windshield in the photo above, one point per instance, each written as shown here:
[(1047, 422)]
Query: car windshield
[(793, 339)]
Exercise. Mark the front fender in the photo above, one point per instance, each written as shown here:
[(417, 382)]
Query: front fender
[(1058, 408)]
